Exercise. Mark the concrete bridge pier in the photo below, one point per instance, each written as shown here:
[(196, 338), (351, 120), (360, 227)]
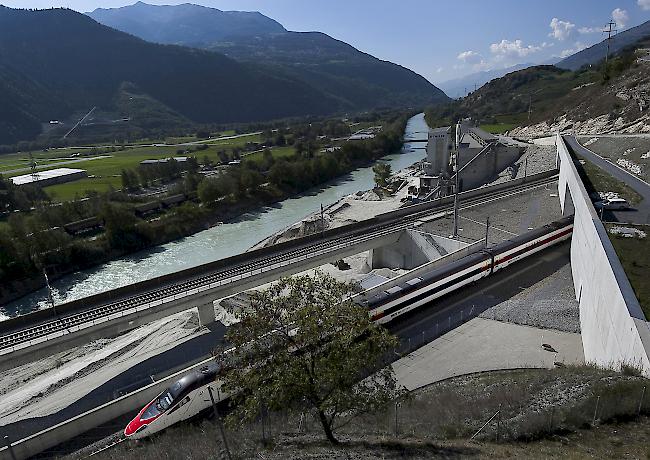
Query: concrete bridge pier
[(206, 314)]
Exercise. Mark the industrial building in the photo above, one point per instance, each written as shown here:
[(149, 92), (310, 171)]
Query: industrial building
[(482, 156), (163, 161), (439, 148), (50, 177)]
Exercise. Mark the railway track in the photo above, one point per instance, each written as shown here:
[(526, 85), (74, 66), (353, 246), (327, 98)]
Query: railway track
[(72, 322)]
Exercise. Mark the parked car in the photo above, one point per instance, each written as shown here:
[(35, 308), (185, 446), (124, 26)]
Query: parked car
[(612, 204)]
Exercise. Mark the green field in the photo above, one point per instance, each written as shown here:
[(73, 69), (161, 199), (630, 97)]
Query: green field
[(107, 170), (278, 152)]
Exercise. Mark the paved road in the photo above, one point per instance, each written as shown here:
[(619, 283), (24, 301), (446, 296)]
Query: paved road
[(638, 215), (180, 144)]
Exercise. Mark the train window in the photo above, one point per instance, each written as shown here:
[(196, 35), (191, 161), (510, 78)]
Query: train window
[(165, 401), (151, 412), (414, 281), (393, 290)]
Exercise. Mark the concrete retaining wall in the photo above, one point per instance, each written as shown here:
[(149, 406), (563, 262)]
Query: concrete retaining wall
[(614, 328), (451, 257), (409, 251), (487, 165)]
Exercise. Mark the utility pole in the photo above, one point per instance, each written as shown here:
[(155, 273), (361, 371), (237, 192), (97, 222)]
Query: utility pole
[(322, 222), (611, 24), (457, 181), (33, 167), (530, 105)]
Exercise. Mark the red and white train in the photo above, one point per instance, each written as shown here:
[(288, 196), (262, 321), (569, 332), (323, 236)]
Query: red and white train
[(189, 396), (185, 399)]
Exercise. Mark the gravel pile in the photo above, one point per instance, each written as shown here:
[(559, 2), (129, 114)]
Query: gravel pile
[(534, 160), (549, 304)]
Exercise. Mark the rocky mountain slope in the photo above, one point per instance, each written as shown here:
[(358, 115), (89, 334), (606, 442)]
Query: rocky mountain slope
[(185, 24), (544, 99)]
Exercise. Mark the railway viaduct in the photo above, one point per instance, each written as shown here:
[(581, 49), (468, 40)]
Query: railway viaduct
[(110, 313)]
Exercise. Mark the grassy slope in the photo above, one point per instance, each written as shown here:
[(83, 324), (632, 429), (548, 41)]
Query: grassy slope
[(549, 92), (544, 413), (597, 180), (634, 254)]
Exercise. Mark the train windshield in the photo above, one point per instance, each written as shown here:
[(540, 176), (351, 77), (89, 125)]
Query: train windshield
[(165, 401), (151, 412)]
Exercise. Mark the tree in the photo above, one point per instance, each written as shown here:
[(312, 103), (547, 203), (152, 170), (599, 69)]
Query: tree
[(130, 180), (382, 173), (202, 134), (121, 230), (250, 179), (303, 342)]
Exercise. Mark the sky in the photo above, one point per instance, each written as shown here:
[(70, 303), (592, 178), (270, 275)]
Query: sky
[(439, 39)]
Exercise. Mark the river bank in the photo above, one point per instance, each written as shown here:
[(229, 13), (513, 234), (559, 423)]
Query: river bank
[(236, 235), (362, 205)]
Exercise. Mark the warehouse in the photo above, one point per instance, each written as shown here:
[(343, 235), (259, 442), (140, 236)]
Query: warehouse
[(50, 177)]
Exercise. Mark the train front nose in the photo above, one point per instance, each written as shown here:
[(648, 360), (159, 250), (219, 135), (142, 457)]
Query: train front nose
[(135, 428)]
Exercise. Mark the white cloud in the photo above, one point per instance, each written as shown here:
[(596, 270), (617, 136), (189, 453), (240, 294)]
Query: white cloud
[(513, 48), (644, 4), (469, 56), (560, 30), (590, 30), (577, 46), (481, 66), (620, 17)]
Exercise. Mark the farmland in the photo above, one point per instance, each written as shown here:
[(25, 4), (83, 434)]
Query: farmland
[(104, 164)]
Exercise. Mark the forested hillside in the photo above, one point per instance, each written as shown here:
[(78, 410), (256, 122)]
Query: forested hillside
[(58, 63), (356, 79)]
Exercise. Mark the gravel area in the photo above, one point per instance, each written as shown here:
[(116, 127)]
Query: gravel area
[(630, 152), (549, 304), (509, 217), (353, 208)]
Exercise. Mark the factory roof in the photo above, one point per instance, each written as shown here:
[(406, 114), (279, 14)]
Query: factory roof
[(44, 175)]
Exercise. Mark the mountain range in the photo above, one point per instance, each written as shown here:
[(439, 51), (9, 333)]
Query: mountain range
[(460, 87), (596, 53), (57, 64), (354, 78)]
